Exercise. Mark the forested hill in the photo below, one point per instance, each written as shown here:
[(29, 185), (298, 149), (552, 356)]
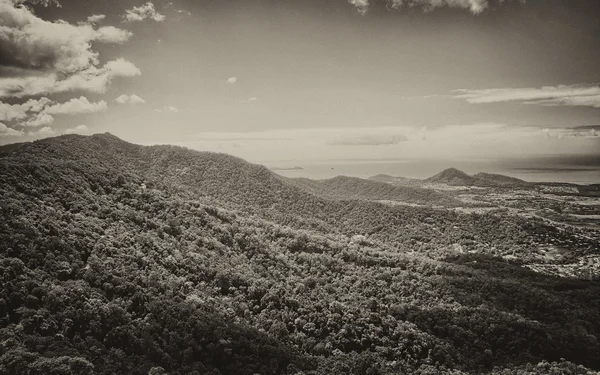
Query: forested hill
[(495, 179), (456, 177), (219, 176), (111, 262), (215, 175), (343, 187)]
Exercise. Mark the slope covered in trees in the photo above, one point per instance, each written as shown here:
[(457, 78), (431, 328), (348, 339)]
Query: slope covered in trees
[(343, 187), (116, 259), (455, 177), (501, 180)]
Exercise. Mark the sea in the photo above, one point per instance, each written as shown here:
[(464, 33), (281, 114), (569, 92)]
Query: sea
[(580, 169)]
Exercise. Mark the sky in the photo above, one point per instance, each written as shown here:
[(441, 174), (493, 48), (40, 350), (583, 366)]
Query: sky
[(301, 80)]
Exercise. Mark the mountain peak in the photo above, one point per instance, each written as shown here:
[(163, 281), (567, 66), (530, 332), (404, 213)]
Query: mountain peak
[(452, 176)]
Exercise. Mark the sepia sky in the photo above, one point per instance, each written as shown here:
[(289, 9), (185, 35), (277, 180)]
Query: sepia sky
[(308, 79)]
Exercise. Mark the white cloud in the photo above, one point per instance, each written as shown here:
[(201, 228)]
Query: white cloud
[(361, 5), (10, 112), (129, 99), (39, 119), (43, 131), (79, 129), (121, 68), (111, 34), (232, 80), (51, 57), (474, 6), (5, 131), (95, 18), (567, 95), (76, 105), (573, 101), (30, 42), (577, 133), (146, 11), (167, 108), (92, 79)]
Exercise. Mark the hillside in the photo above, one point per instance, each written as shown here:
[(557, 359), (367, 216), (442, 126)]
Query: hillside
[(501, 180), (126, 259), (343, 187), (455, 177), (395, 180), (383, 178)]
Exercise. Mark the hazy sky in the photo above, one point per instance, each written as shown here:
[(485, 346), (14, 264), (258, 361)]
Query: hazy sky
[(308, 79)]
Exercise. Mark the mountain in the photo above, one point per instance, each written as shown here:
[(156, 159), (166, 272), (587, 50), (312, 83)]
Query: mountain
[(453, 177), (456, 177), (117, 258)]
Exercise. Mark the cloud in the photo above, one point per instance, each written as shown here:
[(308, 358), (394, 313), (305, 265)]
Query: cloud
[(45, 3), (20, 111), (43, 131), (5, 131), (474, 6), (183, 11), (370, 140), (76, 105), (95, 18), (45, 57), (232, 80), (38, 120), (111, 34), (573, 101), (146, 11), (40, 112), (29, 42), (590, 133), (167, 108), (122, 68), (129, 99), (565, 95), (79, 129), (361, 5), (92, 79)]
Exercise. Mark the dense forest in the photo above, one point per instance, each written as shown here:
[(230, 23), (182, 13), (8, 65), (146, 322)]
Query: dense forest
[(126, 259)]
